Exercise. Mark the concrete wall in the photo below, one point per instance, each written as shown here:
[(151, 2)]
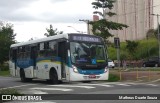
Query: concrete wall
[(134, 13)]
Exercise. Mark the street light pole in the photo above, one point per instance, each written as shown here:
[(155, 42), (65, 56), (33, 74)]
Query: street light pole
[(86, 21), (158, 34), (75, 29)]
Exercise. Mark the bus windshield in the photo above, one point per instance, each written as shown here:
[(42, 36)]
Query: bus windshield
[(87, 53)]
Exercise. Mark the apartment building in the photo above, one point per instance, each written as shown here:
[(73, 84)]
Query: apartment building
[(134, 13)]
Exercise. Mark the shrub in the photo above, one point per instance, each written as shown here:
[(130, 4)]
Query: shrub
[(9, 91), (113, 78), (4, 67)]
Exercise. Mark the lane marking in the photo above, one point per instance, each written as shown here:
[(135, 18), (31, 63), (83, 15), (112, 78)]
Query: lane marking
[(104, 85), (154, 81), (132, 83), (19, 86), (41, 102), (152, 85), (37, 92), (60, 89), (112, 83), (87, 87), (123, 84)]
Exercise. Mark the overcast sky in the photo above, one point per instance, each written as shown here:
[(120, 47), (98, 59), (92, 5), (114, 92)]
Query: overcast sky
[(31, 17)]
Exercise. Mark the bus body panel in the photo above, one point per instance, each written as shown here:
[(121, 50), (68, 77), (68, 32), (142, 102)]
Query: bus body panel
[(28, 72), (41, 67), (81, 77), (12, 68)]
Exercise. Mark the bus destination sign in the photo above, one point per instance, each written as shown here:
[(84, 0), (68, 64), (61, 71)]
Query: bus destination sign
[(86, 38)]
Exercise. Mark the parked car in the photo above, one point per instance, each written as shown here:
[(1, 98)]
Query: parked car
[(152, 62), (111, 63)]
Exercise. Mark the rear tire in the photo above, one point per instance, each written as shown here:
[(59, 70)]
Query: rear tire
[(22, 76)]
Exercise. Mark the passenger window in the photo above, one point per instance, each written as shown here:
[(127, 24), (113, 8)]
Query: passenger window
[(52, 48), (41, 46)]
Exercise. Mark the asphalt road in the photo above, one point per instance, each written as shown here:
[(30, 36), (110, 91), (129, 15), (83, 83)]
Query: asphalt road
[(96, 88)]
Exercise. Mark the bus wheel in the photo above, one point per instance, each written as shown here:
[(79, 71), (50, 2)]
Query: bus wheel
[(54, 77), (86, 81), (22, 76)]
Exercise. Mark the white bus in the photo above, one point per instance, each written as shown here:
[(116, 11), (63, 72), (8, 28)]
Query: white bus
[(63, 57)]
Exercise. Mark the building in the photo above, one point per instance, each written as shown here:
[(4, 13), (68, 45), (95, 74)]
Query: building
[(134, 13), (156, 10)]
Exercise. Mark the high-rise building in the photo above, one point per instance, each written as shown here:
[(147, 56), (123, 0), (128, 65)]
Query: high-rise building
[(136, 14)]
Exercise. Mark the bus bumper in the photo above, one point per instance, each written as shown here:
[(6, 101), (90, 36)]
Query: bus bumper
[(81, 77)]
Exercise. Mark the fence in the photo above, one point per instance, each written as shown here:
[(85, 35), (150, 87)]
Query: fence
[(136, 74)]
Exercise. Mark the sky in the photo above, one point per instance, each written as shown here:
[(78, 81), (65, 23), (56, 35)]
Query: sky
[(31, 17)]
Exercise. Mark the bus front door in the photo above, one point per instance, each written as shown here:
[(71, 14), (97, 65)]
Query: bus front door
[(62, 53)]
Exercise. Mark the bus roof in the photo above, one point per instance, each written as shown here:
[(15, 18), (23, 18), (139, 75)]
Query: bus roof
[(60, 36), (41, 40)]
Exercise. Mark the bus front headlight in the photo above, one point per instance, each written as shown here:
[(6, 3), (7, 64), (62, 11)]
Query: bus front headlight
[(106, 69), (75, 69)]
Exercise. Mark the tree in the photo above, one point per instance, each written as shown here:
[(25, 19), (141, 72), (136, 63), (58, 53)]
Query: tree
[(132, 47), (156, 32), (151, 33), (7, 37), (52, 32), (102, 26)]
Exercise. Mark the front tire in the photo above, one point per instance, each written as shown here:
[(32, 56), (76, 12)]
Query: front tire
[(53, 77), (86, 81)]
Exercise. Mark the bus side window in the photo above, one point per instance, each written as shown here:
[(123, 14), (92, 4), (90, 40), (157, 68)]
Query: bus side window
[(53, 48), (27, 51), (13, 54), (33, 52), (46, 49), (41, 52), (19, 52), (46, 45)]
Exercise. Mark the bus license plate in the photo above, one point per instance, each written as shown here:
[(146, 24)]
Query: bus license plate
[(92, 76)]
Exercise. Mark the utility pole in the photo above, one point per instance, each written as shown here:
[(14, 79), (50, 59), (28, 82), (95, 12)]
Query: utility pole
[(158, 33), (86, 21), (75, 29)]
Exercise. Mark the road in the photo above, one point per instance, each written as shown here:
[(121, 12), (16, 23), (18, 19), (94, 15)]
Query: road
[(41, 87)]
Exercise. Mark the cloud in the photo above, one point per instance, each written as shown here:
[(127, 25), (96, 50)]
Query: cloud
[(31, 17), (56, 1), (58, 11), (9, 10), (14, 4)]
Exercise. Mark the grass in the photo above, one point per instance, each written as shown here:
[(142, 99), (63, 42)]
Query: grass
[(113, 78), (9, 91), (4, 73), (136, 68), (145, 49)]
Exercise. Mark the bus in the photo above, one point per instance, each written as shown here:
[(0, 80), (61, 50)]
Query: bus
[(64, 57)]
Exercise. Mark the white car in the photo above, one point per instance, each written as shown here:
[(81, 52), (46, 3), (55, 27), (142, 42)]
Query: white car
[(111, 64)]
